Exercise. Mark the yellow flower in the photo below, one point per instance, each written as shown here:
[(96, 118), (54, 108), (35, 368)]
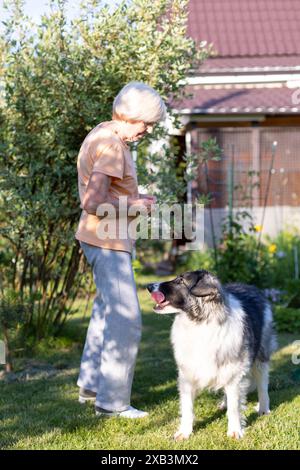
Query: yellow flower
[(258, 228), (272, 248)]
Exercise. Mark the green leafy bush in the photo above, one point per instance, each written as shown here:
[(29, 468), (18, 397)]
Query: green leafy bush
[(13, 313), (238, 257), (194, 260), (57, 82), (283, 270), (287, 319)]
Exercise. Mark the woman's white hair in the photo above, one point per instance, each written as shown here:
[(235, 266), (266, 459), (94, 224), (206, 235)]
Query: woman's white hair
[(139, 102)]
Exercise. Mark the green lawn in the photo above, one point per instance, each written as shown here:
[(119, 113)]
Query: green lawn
[(43, 413)]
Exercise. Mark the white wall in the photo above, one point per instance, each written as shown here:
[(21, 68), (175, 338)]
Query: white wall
[(276, 218)]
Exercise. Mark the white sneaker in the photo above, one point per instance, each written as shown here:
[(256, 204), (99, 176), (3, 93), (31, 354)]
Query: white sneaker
[(133, 413), (130, 413)]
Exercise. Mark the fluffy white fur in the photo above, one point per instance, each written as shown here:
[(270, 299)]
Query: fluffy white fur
[(196, 346)]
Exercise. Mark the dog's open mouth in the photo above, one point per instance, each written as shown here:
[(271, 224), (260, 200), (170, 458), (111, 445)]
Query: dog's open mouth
[(160, 302), (159, 299)]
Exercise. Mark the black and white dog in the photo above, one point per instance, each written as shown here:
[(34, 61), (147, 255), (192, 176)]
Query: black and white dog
[(222, 338)]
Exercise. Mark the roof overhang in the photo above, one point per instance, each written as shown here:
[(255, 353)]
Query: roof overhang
[(290, 80)]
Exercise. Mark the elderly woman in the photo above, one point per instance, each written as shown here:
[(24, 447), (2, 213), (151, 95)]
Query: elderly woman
[(106, 172)]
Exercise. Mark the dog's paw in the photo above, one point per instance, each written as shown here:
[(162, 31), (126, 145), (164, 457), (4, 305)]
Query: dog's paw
[(182, 435), (236, 433), (262, 410)]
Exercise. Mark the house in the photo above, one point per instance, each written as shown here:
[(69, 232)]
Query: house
[(248, 97)]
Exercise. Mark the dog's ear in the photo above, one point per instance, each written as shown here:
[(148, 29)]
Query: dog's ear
[(206, 285), (202, 289)]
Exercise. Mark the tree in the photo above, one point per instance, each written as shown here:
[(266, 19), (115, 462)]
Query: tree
[(59, 82)]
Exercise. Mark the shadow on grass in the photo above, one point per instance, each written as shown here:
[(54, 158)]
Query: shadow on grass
[(33, 408), (30, 409)]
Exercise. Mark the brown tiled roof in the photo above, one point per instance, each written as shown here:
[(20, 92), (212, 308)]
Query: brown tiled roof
[(240, 101), (247, 28), (249, 36)]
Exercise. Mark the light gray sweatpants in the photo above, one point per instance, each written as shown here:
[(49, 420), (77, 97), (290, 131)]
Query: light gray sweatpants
[(114, 332)]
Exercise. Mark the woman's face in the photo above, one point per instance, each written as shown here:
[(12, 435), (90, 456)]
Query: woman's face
[(135, 131)]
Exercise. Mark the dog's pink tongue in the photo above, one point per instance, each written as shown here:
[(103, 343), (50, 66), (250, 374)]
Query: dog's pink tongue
[(158, 297)]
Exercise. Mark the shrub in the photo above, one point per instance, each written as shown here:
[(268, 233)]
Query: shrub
[(287, 320), (57, 82), (13, 313), (194, 260), (283, 269), (238, 258)]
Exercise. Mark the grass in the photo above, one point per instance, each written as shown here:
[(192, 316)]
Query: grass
[(44, 414)]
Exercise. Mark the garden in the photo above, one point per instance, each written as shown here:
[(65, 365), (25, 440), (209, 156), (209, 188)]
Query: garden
[(56, 83)]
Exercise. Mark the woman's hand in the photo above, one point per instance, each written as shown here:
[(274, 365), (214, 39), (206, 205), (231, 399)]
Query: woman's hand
[(149, 196), (142, 202)]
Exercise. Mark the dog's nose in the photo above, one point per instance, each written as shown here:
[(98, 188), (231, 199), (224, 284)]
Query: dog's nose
[(150, 287)]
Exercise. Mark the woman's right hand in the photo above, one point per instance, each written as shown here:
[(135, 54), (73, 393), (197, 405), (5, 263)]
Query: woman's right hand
[(144, 202)]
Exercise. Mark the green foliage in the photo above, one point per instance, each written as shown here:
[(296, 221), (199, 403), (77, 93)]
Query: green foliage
[(12, 310), (59, 82), (292, 293), (283, 269), (238, 257), (287, 319), (209, 150), (164, 175), (137, 267), (194, 260), (159, 173), (13, 313)]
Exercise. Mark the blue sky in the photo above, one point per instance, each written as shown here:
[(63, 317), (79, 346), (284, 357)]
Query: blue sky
[(35, 8)]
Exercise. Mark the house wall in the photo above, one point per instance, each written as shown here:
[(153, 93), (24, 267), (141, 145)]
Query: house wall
[(262, 173), (275, 219)]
